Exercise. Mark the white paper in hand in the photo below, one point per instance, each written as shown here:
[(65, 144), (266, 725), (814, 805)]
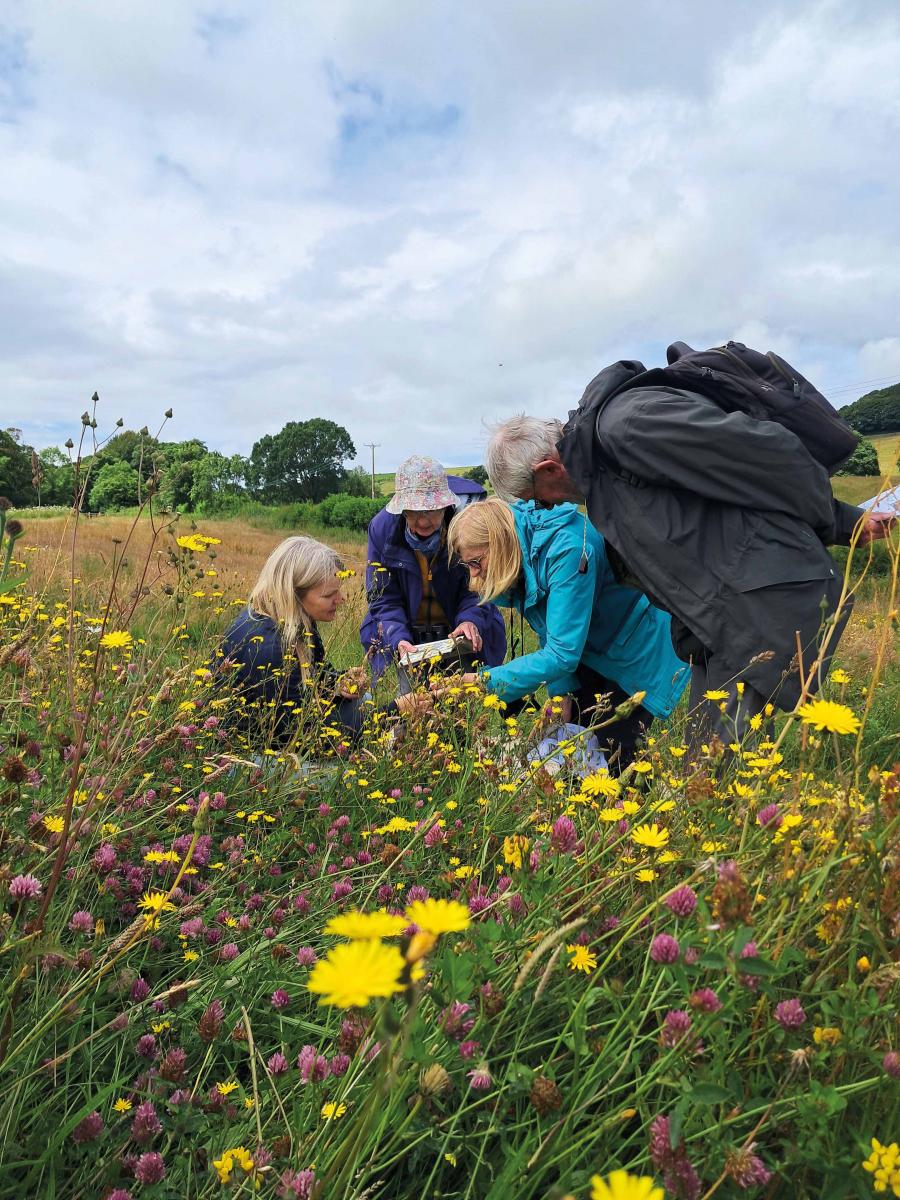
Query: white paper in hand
[(886, 502)]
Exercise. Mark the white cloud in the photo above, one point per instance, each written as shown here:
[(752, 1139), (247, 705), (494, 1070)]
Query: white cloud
[(262, 213)]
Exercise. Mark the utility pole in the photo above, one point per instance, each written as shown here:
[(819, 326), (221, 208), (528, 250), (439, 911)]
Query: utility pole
[(372, 446)]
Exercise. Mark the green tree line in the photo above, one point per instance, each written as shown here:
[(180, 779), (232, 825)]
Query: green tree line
[(303, 463)]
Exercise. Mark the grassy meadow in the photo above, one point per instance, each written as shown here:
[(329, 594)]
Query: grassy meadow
[(423, 966)]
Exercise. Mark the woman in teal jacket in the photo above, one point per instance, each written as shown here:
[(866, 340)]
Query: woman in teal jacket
[(597, 637)]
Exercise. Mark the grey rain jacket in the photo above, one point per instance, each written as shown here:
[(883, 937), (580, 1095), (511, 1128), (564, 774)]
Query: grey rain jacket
[(724, 521)]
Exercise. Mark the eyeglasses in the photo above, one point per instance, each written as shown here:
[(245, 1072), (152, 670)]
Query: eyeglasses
[(471, 564)]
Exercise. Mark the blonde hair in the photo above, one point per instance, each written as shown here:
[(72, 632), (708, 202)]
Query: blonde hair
[(295, 565), (491, 524)]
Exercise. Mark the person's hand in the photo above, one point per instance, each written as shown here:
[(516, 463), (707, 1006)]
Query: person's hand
[(404, 648), (876, 526), (352, 682), (468, 629), (414, 704)]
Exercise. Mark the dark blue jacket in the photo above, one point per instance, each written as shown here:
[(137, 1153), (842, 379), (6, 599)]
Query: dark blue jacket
[(394, 589), (270, 696)]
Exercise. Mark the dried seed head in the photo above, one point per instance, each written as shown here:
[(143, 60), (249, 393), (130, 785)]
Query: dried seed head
[(434, 1080), (545, 1096)]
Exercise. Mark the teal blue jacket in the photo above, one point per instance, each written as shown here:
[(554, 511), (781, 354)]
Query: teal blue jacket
[(583, 617)]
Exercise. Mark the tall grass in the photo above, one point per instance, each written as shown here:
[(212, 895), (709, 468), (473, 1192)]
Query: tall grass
[(690, 973)]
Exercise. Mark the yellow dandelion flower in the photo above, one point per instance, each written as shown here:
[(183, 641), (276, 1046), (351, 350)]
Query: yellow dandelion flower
[(356, 925), (54, 824), (647, 875), (192, 542), (827, 715), (650, 836), (611, 814), (439, 916), (153, 903), (601, 783), (122, 1105), (356, 972), (116, 639), (715, 694), (839, 675), (581, 959), (332, 1111), (225, 1089), (622, 1186)]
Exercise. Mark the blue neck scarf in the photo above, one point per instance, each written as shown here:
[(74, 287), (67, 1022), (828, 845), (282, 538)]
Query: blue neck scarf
[(427, 546)]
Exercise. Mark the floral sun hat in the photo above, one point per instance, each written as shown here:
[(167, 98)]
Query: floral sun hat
[(421, 486)]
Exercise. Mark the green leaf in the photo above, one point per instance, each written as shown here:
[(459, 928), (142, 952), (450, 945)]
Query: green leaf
[(457, 974), (758, 966), (676, 1121), (519, 1075), (827, 1098), (713, 960), (709, 1093), (741, 938)]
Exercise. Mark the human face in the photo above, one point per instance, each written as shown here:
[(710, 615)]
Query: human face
[(475, 560), (423, 524), (551, 484), (322, 601)]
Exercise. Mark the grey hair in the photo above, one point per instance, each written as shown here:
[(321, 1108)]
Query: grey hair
[(515, 446)]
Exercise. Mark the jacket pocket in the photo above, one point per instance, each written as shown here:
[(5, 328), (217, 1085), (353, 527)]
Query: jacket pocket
[(768, 570), (781, 551)]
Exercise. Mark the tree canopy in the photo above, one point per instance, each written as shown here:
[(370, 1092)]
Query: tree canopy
[(875, 412), (305, 461)]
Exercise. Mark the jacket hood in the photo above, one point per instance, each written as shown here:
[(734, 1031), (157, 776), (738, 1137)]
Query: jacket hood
[(537, 527), (577, 447)]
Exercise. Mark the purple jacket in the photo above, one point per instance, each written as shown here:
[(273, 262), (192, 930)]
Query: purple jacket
[(394, 590)]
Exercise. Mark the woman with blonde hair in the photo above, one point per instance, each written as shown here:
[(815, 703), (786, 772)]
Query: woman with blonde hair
[(272, 657), (600, 642)]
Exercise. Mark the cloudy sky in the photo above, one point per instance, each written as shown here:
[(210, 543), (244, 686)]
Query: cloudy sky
[(413, 216)]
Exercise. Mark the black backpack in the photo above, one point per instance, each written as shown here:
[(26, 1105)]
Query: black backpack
[(763, 386)]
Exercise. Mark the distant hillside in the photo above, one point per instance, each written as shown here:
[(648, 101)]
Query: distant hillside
[(876, 412)]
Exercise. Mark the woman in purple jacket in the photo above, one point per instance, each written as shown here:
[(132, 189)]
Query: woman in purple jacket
[(415, 595)]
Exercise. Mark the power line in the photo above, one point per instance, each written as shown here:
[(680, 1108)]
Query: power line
[(855, 386)]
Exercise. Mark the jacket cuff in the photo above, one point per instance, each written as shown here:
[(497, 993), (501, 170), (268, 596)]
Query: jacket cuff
[(565, 685), (846, 518)]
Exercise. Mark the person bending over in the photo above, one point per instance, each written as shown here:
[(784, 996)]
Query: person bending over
[(600, 642)]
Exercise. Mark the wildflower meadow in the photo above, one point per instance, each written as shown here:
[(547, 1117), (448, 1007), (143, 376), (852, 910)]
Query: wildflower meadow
[(421, 965)]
